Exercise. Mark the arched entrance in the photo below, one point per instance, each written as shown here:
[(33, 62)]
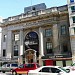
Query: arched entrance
[(31, 46)]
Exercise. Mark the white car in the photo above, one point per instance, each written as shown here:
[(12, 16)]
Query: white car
[(50, 70), (8, 67), (72, 67)]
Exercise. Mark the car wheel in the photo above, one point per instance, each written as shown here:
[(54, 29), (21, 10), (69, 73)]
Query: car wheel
[(3, 71), (14, 73)]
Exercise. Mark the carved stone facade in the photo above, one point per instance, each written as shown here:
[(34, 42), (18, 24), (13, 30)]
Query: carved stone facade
[(71, 10), (43, 38)]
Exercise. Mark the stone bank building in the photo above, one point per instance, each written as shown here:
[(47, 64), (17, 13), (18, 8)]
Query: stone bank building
[(40, 34)]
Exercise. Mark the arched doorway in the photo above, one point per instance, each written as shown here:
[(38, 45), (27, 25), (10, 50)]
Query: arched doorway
[(31, 45)]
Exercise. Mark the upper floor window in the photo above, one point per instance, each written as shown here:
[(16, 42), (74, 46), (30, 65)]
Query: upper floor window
[(4, 52), (5, 36), (49, 47), (73, 19), (71, 1), (63, 30), (48, 32), (65, 48), (16, 37), (16, 50), (73, 8), (74, 30)]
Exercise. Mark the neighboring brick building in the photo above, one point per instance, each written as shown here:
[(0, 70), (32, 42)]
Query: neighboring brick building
[(37, 36)]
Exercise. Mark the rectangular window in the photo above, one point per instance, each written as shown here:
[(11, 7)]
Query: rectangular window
[(63, 30), (49, 47), (71, 1), (73, 19), (16, 50), (5, 36), (65, 48), (4, 52), (48, 32), (74, 30), (16, 37), (73, 8)]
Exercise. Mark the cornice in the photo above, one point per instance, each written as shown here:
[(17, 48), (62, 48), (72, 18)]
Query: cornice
[(35, 18)]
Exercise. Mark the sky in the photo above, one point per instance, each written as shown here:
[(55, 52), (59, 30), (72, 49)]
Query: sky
[(10, 8)]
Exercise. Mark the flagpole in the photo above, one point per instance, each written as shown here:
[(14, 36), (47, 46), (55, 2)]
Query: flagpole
[(31, 5)]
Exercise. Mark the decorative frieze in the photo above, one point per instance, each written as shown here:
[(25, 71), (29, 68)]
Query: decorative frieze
[(31, 24)]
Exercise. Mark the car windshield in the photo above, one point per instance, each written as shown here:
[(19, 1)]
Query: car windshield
[(4, 65), (67, 71)]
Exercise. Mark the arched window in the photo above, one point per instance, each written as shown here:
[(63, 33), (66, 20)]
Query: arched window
[(32, 41)]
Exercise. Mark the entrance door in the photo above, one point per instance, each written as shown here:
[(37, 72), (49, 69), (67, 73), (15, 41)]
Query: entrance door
[(30, 55)]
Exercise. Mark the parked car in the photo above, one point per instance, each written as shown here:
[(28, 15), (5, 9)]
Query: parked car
[(72, 67), (24, 68), (50, 70), (8, 67)]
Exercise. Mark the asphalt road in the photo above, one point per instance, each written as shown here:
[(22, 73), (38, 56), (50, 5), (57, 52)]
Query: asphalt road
[(7, 73)]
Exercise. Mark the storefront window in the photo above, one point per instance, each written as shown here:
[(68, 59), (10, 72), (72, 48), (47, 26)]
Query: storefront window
[(59, 63), (68, 62)]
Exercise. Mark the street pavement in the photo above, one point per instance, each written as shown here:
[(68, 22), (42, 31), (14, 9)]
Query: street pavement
[(7, 73)]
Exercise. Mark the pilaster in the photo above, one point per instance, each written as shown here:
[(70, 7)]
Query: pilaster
[(21, 46), (55, 39), (41, 48), (9, 44)]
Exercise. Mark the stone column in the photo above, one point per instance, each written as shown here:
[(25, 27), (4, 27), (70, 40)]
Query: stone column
[(55, 39), (41, 41), (41, 48), (34, 57), (9, 44), (21, 45), (73, 49)]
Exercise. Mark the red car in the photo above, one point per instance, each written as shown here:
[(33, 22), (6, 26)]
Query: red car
[(24, 68)]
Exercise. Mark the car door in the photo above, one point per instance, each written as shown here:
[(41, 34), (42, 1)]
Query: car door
[(47, 71), (20, 69), (8, 67), (55, 71)]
